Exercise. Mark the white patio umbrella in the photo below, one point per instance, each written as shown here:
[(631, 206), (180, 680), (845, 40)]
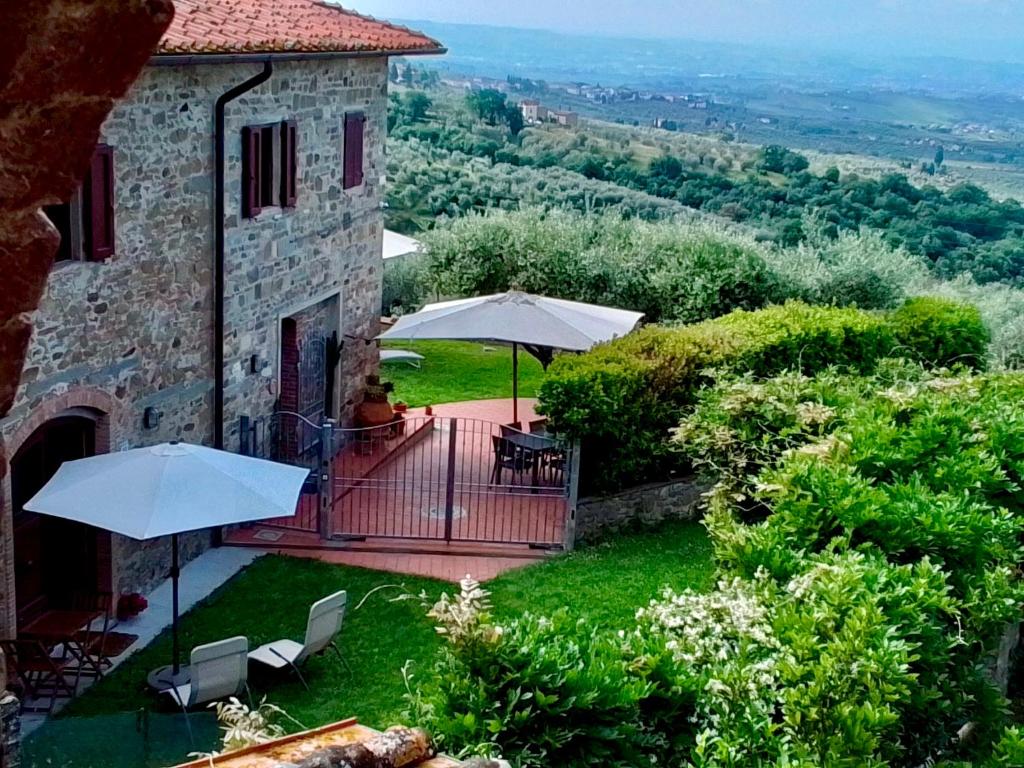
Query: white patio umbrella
[(396, 245), (538, 323), (168, 489)]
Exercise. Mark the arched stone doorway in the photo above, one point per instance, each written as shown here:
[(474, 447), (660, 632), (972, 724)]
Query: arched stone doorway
[(54, 558)]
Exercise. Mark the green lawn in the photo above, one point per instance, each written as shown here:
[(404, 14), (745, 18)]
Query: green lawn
[(604, 583), (459, 370)]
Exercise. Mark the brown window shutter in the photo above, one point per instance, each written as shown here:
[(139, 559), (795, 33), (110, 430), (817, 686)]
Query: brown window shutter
[(250, 172), (289, 188), (355, 124), (98, 202)]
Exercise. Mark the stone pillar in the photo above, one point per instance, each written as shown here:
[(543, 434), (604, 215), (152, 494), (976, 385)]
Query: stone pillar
[(10, 731)]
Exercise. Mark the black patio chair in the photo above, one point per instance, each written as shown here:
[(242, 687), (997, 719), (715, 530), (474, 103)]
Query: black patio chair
[(507, 455)]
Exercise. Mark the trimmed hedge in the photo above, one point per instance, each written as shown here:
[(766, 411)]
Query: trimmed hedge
[(942, 332), (622, 398)]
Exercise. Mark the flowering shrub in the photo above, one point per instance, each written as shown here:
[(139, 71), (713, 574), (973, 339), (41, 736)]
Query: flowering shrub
[(923, 471), (539, 691), (868, 535), (131, 604)]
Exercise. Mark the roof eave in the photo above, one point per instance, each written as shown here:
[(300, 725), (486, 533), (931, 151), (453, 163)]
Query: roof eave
[(250, 57)]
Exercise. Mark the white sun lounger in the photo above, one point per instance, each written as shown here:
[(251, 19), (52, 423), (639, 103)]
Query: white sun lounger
[(322, 628), (400, 356)]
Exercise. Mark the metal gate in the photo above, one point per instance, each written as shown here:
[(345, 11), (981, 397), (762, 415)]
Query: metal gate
[(312, 384), (291, 438), (452, 479)]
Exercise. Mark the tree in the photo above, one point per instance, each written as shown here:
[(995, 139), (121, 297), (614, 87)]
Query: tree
[(407, 75), (416, 105), (514, 119), (393, 72), (778, 159), (488, 104), (940, 156)]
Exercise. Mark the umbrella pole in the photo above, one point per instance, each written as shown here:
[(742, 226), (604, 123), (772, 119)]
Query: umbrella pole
[(174, 604), (515, 383)]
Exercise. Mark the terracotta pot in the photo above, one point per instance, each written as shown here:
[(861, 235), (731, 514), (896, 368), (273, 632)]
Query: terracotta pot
[(373, 414), (400, 407)]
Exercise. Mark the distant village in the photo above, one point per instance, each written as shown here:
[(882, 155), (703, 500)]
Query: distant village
[(535, 111)]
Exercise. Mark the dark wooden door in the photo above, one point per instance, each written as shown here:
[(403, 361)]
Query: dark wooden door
[(52, 557)]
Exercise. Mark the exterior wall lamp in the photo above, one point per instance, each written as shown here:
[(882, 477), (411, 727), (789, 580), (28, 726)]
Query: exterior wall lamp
[(151, 417)]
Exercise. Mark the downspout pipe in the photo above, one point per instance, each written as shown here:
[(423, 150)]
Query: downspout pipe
[(218, 255)]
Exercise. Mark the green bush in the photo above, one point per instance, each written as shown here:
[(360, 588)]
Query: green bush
[(539, 691), (669, 271), (856, 617), (863, 288), (405, 286), (622, 398), (925, 471), (942, 332)]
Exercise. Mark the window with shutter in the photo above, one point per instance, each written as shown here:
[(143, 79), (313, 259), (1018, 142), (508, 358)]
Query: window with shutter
[(289, 189), (252, 166), (355, 125), (98, 202)]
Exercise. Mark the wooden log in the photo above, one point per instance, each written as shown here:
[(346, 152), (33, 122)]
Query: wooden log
[(397, 747)]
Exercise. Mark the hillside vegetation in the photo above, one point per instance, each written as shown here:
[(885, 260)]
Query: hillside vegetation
[(770, 191)]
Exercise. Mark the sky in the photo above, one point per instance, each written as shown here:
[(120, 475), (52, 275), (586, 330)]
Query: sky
[(976, 29)]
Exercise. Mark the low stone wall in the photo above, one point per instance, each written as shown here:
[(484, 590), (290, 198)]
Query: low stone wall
[(643, 505)]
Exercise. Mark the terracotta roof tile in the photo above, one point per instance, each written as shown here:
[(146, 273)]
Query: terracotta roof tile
[(279, 26)]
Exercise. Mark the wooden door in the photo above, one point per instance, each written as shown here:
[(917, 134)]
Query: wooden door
[(52, 557)]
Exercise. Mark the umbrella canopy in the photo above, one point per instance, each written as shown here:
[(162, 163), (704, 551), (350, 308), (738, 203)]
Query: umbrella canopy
[(170, 488), (538, 323), (519, 318), (396, 245)]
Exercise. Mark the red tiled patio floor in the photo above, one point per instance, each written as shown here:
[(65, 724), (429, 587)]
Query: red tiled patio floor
[(404, 495), (395, 494)]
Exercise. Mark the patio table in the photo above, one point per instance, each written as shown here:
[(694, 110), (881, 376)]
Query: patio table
[(61, 627), (533, 446)]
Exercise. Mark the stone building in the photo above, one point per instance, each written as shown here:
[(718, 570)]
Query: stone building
[(533, 111), (567, 119), (135, 340)]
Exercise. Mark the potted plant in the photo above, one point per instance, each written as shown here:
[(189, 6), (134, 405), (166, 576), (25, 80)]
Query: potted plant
[(130, 605), (375, 410), (400, 406)]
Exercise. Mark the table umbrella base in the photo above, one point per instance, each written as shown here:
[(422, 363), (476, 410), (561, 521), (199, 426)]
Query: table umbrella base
[(162, 678)]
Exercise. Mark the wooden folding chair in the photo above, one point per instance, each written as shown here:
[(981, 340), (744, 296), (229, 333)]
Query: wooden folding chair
[(92, 641), (41, 675)]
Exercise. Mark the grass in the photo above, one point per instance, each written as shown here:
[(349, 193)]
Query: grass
[(453, 371), (603, 583)]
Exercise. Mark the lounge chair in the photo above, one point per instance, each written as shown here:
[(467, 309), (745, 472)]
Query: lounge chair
[(322, 627), (217, 670)]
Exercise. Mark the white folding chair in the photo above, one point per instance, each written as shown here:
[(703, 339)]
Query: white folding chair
[(322, 627), (217, 671)]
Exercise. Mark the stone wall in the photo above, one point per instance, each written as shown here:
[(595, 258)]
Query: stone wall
[(328, 246), (138, 327), (53, 107), (642, 506)]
